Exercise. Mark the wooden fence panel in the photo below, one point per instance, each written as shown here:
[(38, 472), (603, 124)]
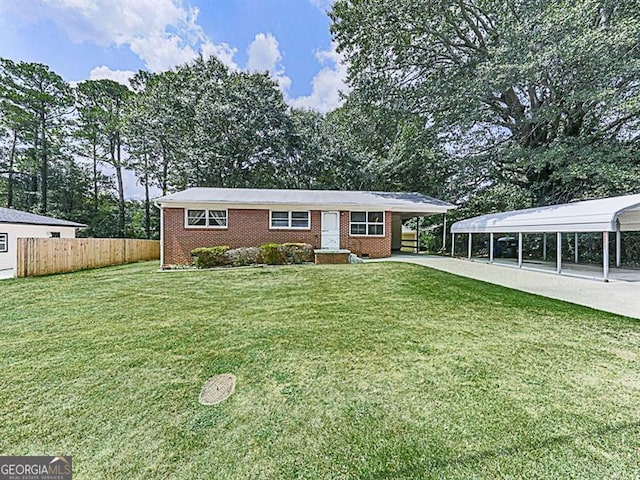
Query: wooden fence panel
[(43, 256)]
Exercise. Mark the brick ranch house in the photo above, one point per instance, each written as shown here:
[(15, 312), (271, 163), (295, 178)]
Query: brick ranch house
[(368, 224)]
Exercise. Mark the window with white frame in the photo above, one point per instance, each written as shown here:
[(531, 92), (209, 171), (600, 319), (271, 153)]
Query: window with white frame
[(4, 242), (206, 218), (367, 224), (290, 219)]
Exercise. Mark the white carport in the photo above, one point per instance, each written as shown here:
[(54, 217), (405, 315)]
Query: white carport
[(607, 215)]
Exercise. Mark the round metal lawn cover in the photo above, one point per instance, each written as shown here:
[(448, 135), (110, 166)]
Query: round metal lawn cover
[(217, 389)]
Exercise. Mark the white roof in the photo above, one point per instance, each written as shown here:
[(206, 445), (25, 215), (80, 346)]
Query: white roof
[(306, 199), (9, 215), (587, 216)]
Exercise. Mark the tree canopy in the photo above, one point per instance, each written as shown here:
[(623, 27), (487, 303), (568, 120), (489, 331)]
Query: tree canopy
[(541, 95), (493, 104)]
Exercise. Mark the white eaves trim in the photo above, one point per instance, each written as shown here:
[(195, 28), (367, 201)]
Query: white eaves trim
[(298, 207), (224, 198)]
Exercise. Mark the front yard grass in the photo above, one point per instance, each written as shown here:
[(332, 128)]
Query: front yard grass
[(361, 371)]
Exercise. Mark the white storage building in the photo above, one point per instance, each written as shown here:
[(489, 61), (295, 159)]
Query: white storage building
[(16, 224)]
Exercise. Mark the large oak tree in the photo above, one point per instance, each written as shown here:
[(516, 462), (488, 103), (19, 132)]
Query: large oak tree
[(542, 95)]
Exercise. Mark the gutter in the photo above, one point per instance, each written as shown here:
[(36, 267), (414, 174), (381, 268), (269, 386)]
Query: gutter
[(159, 206)]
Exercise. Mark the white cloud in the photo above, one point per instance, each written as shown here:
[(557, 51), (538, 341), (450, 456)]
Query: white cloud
[(117, 23), (327, 84), (263, 55), (163, 33), (104, 72), (222, 52), (161, 52), (322, 5), (166, 33)]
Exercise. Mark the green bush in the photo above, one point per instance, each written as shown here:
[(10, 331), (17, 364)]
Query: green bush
[(271, 254), (239, 257), (207, 257), (297, 252)]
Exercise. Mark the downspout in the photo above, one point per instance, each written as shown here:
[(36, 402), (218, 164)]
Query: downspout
[(161, 233)]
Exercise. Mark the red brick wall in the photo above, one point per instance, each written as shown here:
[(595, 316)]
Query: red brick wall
[(373, 247), (250, 228), (331, 258), (247, 228)]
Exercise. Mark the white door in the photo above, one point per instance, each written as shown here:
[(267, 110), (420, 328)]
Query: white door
[(330, 239)]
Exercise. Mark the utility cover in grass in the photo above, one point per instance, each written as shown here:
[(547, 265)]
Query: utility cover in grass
[(217, 389)]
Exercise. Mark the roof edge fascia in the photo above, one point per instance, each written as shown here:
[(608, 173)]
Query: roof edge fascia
[(305, 206)]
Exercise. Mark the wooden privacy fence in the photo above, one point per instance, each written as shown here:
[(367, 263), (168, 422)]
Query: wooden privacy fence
[(43, 256)]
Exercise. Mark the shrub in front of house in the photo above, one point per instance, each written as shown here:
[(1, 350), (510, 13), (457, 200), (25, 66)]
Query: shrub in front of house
[(208, 257), (240, 257), (297, 252), (271, 254)]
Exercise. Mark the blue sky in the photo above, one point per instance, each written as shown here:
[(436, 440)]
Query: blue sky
[(81, 39)]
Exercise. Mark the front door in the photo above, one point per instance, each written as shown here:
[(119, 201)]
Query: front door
[(330, 239)]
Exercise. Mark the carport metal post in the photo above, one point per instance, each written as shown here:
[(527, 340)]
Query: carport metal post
[(544, 246), (605, 256), (453, 244), (575, 248), (491, 247), (519, 249), (618, 244), (444, 233), (559, 252), (469, 246)]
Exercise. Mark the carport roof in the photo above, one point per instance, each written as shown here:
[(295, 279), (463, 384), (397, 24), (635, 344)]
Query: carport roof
[(600, 215)]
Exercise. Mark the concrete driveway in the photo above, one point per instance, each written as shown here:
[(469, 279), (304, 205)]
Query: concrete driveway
[(621, 297)]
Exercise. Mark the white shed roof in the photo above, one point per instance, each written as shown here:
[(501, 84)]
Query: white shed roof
[(308, 199), (587, 216), (9, 215)]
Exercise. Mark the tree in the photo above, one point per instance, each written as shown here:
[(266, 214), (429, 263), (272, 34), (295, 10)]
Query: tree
[(318, 156), (156, 121), (12, 128), (111, 124), (91, 108), (158, 131), (237, 128), (533, 94), (35, 105), (396, 150)]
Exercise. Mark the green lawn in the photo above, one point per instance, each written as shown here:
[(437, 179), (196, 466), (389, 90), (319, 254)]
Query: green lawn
[(362, 371)]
